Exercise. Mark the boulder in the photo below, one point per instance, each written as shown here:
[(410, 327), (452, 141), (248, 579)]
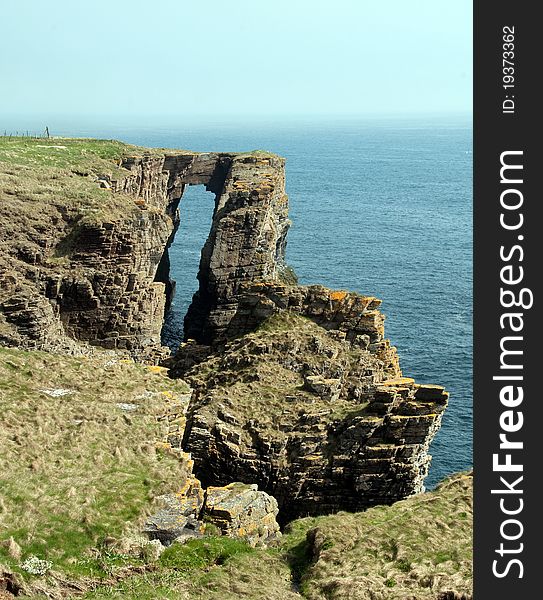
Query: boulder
[(239, 510), (178, 514)]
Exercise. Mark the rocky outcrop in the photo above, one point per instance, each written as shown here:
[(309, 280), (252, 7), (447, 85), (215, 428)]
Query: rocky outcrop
[(320, 422), (241, 511), (296, 388), (97, 279), (246, 245), (236, 510), (178, 515)]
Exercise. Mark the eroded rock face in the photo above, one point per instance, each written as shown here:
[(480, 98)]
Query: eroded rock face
[(246, 245), (320, 422), (296, 388), (99, 281), (178, 514), (241, 511)]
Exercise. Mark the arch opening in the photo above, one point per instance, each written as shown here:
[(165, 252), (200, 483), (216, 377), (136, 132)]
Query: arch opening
[(180, 264)]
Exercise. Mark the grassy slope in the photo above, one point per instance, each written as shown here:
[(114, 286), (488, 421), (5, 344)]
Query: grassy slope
[(68, 153), (263, 367), (61, 172), (48, 190), (414, 549), (78, 467)]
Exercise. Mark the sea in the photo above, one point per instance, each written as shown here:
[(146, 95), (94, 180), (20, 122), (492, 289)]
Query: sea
[(380, 206)]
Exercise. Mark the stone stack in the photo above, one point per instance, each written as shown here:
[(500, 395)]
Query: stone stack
[(316, 421), (246, 244)]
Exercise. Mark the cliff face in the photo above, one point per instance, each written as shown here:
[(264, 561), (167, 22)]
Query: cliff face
[(318, 421), (98, 279), (122, 301), (295, 388), (246, 245)]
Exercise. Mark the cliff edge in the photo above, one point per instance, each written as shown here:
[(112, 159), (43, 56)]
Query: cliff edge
[(295, 388)]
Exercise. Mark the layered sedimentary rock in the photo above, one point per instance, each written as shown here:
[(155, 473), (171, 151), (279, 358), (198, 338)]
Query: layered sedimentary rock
[(103, 279), (121, 303), (246, 245), (296, 388), (236, 510), (242, 511), (318, 421)]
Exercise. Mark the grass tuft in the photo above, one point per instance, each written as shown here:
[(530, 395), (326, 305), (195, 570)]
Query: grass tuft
[(73, 468)]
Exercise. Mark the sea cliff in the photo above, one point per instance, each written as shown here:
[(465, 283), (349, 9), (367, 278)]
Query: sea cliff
[(290, 401)]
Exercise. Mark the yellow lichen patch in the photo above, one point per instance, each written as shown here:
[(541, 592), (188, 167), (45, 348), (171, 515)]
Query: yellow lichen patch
[(337, 295), (163, 446), (185, 488), (398, 382), (415, 417), (157, 369), (238, 185)]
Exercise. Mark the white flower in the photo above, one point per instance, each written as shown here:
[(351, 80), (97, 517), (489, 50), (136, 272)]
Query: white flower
[(57, 392), (36, 566)]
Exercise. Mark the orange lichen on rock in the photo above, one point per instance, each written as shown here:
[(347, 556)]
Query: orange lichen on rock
[(338, 295)]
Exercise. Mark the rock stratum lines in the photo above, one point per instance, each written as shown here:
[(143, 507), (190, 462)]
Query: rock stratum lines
[(294, 388)]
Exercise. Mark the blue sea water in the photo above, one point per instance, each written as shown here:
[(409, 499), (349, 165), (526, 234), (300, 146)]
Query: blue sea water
[(380, 206)]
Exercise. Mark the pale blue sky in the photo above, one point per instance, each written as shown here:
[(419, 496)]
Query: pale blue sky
[(237, 57)]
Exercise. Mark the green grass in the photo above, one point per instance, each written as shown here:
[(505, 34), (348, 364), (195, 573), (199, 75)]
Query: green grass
[(76, 472), (202, 553), (77, 468), (83, 154), (401, 547), (412, 549), (41, 175)]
